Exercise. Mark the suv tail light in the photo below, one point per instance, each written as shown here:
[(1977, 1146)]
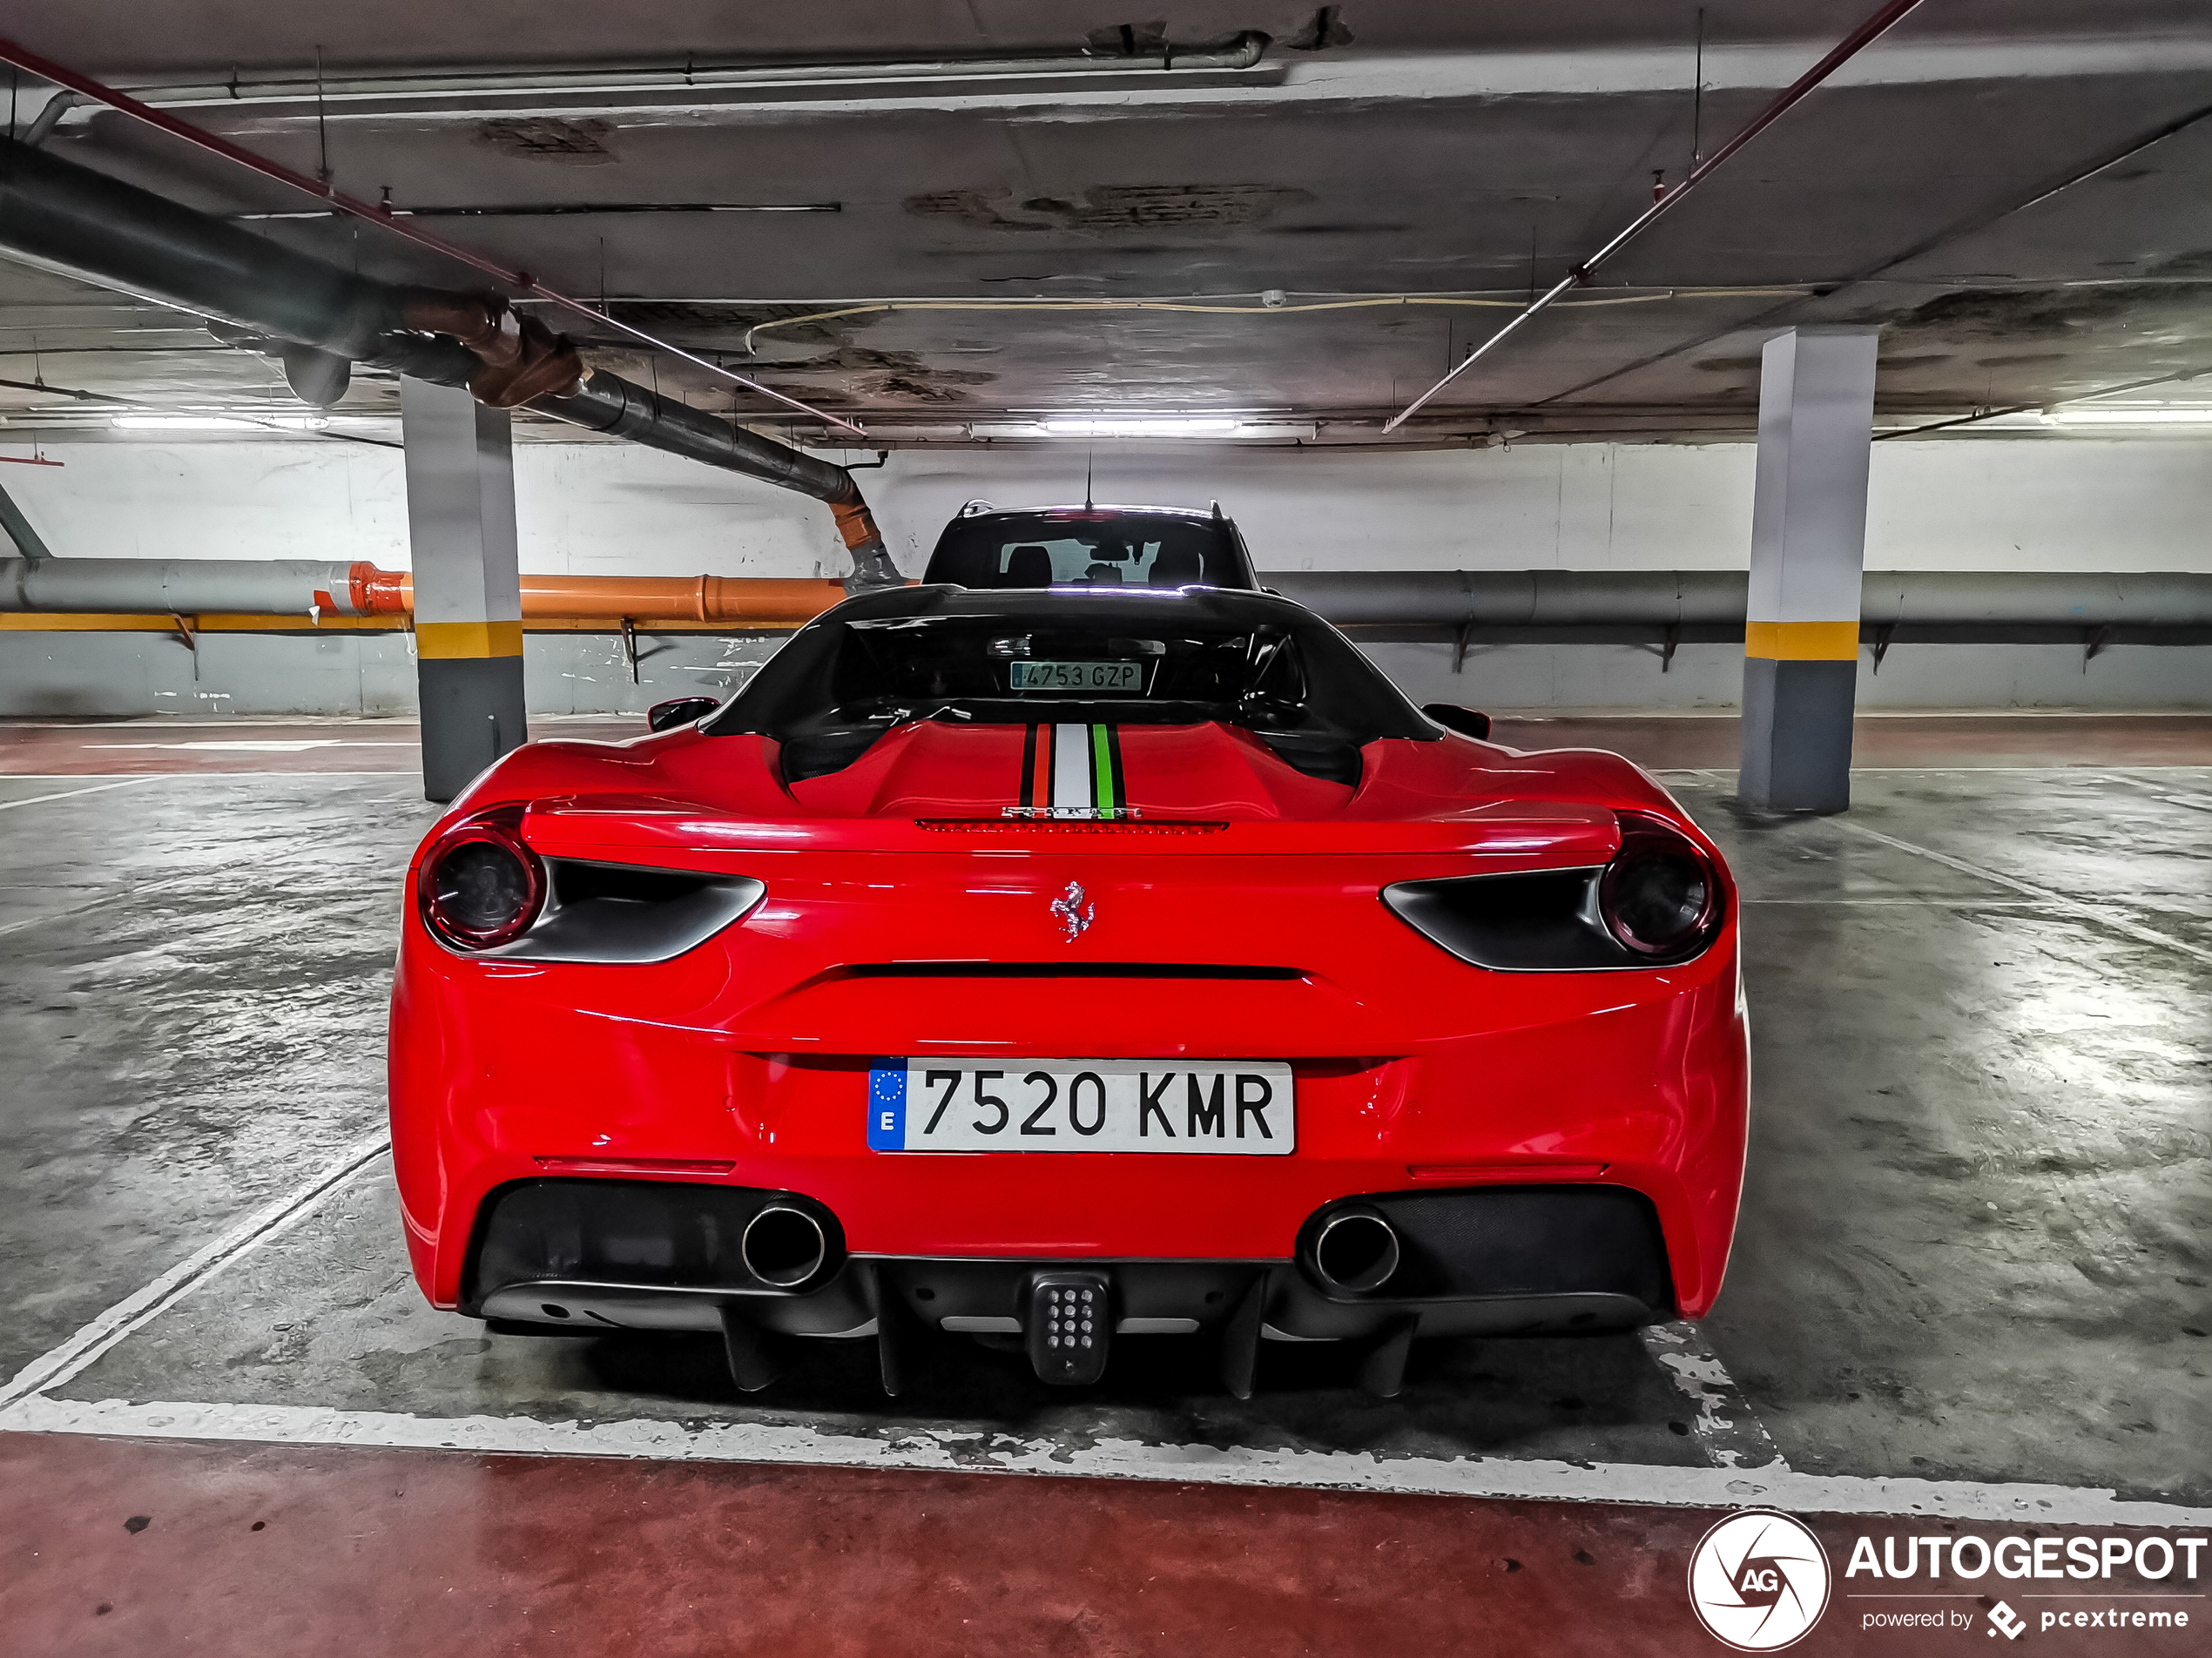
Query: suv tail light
[(1660, 898), (481, 886)]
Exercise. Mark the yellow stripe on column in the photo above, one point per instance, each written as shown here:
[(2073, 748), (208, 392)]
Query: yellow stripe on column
[(440, 641), (1802, 641)]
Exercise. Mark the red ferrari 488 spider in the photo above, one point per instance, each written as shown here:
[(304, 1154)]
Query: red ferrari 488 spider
[(1082, 943)]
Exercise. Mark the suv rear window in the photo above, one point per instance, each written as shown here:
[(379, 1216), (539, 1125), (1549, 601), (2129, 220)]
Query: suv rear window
[(1097, 548)]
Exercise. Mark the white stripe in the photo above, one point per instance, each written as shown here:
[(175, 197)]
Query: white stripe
[(53, 1368), (10, 806), (1071, 776), (2101, 914), (962, 1450)]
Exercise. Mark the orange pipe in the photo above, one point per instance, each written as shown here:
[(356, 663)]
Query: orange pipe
[(741, 601)]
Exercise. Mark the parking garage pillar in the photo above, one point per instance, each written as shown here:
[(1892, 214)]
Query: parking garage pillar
[(1807, 553), (468, 590)]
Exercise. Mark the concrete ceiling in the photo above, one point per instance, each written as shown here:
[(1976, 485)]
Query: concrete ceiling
[(1440, 160)]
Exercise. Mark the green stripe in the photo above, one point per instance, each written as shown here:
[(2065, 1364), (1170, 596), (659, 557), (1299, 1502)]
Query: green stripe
[(1101, 767)]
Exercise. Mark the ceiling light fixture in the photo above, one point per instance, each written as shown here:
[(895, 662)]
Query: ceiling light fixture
[(2168, 415), (1143, 426), (217, 423)]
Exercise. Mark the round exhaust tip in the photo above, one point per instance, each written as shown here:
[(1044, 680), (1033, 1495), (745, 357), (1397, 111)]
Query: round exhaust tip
[(1356, 1251), (783, 1245)]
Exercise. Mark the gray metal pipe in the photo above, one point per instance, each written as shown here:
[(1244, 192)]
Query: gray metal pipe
[(1968, 603), (71, 220), (607, 403), (181, 587), (59, 217), (1702, 599)]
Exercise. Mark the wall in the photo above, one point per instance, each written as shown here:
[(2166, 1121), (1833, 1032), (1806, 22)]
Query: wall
[(594, 507)]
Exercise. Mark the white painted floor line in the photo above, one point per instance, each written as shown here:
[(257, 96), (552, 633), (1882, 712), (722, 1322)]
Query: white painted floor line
[(2103, 915), (53, 1368), (1725, 1427), (40, 799), (966, 1450)]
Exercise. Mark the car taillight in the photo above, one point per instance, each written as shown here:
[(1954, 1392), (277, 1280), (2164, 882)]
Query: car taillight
[(481, 886), (1661, 896)]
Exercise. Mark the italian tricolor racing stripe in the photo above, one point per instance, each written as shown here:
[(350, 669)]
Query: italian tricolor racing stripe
[(1073, 771)]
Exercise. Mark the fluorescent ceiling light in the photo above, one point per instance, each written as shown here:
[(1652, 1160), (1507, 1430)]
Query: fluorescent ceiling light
[(2169, 416), (1143, 426), (216, 423)]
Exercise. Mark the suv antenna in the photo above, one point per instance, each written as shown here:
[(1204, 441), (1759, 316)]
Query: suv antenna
[(1088, 449)]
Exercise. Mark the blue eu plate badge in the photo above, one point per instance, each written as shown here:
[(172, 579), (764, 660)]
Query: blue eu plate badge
[(887, 1106)]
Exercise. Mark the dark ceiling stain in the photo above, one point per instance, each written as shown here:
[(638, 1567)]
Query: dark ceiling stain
[(575, 144), (710, 325), (1925, 360), (1326, 30), (1116, 209), (1997, 315), (895, 376), (1128, 40), (2024, 360), (1728, 365), (1336, 230)]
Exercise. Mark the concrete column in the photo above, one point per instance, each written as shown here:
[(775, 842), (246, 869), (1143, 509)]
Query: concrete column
[(468, 590), (1808, 552)]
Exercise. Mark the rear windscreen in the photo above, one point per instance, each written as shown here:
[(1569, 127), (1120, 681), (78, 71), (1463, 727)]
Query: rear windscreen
[(1087, 549)]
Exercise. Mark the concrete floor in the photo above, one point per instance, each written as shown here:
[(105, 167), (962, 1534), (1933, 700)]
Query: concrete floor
[(1974, 1244)]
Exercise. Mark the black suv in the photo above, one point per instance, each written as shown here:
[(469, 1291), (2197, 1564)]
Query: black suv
[(1090, 547)]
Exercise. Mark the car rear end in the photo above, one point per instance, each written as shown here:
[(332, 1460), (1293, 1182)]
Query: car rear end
[(932, 1060)]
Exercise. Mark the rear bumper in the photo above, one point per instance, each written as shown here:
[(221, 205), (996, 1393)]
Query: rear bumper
[(743, 1066), (594, 1255)]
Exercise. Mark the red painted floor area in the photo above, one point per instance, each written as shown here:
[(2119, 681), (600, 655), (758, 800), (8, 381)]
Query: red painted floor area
[(1662, 741), (134, 1549)]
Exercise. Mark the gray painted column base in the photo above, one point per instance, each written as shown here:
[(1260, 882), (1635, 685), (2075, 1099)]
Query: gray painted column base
[(1797, 734), (472, 713)]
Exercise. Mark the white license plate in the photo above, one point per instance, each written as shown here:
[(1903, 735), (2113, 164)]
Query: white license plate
[(1074, 676), (1240, 1106)]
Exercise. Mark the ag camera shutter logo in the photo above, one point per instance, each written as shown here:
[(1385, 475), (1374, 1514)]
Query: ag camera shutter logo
[(1758, 1581)]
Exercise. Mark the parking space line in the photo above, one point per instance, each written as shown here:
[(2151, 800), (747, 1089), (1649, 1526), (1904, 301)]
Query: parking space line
[(964, 1449), (40, 799), (2058, 901), (1725, 1427), (58, 1366)]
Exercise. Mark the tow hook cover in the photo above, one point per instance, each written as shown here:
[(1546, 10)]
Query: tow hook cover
[(1068, 1325)]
